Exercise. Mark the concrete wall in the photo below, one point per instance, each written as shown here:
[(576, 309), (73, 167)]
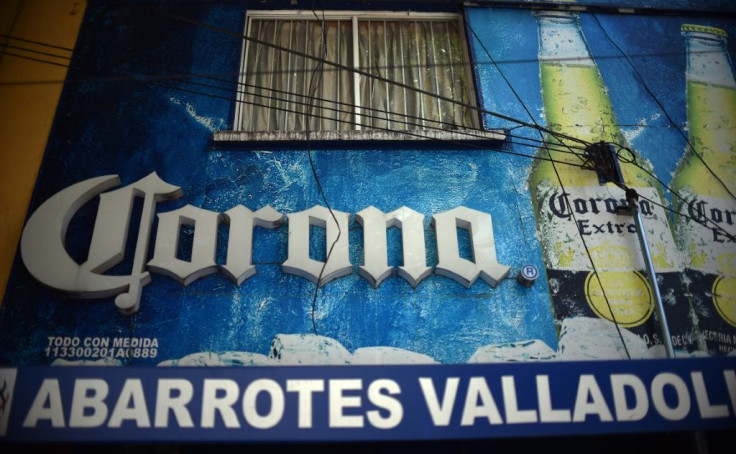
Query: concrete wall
[(29, 93)]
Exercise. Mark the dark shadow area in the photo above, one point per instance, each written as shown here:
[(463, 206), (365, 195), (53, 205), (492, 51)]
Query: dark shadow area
[(717, 442)]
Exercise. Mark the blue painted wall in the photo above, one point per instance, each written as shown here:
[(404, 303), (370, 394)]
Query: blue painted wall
[(145, 93)]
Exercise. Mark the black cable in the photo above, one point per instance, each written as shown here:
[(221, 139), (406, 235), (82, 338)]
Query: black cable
[(411, 88), (9, 37), (312, 90), (511, 87), (26, 57), (470, 133), (39, 52), (598, 58), (168, 77), (353, 70), (644, 85), (592, 263), (418, 134), (687, 216), (334, 109), (682, 199), (12, 24), (30, 41), (564, 194), (290, 94)]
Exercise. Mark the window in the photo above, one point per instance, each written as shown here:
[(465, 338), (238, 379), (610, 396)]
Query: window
[(410, 69)]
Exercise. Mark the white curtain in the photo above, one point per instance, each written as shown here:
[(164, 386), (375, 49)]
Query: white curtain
[(426, 55)]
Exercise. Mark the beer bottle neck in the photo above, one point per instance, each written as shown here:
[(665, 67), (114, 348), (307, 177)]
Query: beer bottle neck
[(561, 40), (711, 98), (707, 58), (575, 98)]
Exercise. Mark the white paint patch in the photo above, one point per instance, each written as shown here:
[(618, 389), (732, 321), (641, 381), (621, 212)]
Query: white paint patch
[(531, 350), (87, 362), (211, 124), (632, 134), (581, 338), (389, 355), (584, 338)]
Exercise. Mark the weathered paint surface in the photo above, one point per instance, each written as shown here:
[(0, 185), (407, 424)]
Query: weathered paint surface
[(148, 91)]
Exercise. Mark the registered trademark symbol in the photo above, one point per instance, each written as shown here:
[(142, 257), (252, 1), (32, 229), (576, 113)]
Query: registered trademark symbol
[(530, 271), (527, 275)]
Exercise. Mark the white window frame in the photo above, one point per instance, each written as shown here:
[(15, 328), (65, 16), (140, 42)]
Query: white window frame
[(358, 133)]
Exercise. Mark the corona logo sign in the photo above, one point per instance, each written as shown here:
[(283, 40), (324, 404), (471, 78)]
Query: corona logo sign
[(44, 252)]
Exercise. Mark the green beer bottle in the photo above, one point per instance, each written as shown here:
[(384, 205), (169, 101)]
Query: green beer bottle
[(704, 226), (577, 218)]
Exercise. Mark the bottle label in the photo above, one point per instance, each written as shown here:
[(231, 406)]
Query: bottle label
[(712, 299), (584, 224), (623, 297), (705, 235), (628, 302), (581, 225), (724, 298)]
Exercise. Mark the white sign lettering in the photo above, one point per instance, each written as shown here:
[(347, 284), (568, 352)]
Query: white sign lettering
[(44, 253)]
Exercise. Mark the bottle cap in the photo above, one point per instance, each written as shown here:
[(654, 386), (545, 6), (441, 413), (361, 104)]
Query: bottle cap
[(527, 275), (704, 29)]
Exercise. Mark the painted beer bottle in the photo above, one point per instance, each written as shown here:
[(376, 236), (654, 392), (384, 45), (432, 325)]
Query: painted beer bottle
[(578, 223), (705, 181)]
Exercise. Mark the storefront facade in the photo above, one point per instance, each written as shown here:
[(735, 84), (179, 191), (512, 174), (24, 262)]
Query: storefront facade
[(393, 222)]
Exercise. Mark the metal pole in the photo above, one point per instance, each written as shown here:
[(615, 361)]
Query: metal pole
[(631, 197), (608, 159)]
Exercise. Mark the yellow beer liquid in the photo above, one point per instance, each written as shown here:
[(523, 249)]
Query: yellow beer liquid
[(576, 104), (711, 114)]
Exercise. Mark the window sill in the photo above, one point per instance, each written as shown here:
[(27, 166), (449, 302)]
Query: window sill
[(420, 138)]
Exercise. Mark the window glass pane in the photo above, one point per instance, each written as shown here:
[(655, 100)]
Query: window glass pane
[(346, 80), (418, 55), (396, 93), (260, 69), (335, 89), (282, 74), (451, 73), (413, 68)]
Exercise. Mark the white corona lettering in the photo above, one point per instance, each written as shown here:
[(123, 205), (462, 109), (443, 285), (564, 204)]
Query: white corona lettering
[(375, 222), (204, 245), (239, 266), (44, 252), (338, 261), (478, 224)]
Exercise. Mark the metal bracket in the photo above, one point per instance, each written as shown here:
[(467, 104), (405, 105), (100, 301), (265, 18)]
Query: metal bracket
[(605, 162)]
